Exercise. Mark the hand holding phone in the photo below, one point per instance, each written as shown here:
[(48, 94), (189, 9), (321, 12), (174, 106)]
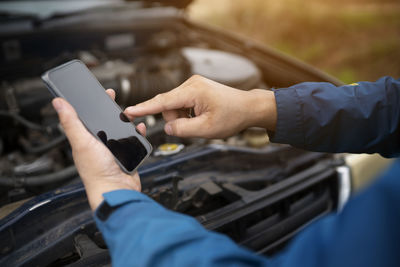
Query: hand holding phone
[(102, 117), (100, 174)]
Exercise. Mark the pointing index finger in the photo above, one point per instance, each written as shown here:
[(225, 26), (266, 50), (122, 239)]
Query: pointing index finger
[(174, 99)]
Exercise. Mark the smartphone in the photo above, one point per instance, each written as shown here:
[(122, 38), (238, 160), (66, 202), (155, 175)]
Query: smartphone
[(103, 118)]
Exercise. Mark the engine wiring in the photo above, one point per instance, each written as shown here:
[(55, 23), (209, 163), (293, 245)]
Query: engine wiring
[(22, 120)]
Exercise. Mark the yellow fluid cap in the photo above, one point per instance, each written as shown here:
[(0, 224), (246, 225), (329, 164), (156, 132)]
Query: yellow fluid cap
[(168, 149)]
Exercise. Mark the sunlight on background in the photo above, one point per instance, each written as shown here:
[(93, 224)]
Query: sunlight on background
[(353, 40)]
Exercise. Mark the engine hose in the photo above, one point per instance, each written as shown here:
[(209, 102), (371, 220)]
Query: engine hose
[(22, 120), (43, 148), (37, 180)]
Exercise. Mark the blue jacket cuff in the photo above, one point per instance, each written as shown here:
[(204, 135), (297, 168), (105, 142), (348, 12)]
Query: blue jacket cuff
[(122, 196), (115, 199), (289, 122)]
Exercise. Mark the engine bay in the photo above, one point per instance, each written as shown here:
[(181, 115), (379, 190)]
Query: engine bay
[(260, 194), (32, 143)]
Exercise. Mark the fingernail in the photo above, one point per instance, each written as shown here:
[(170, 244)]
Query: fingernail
[(57, 104), (168, 129)]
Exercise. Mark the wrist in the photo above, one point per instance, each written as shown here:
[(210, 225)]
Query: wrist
[(96, 189), (263, 109)]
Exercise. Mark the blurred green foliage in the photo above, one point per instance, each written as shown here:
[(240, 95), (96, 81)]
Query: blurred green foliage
[(353, 40)]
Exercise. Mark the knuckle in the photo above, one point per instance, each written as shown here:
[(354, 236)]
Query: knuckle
[(192, 84), (194, 79)]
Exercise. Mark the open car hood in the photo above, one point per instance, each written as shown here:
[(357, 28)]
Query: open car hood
[(174, 3)]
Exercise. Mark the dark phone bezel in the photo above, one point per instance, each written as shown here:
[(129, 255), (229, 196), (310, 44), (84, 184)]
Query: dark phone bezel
[(56, 93)]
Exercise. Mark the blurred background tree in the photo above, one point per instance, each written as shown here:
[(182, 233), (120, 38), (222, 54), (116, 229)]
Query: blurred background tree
[(353, 40)]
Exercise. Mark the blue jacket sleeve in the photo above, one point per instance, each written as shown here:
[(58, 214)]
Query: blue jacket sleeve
[(140, 232), (359, 118)]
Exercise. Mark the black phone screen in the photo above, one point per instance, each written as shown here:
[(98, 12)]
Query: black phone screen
[(100, 114)]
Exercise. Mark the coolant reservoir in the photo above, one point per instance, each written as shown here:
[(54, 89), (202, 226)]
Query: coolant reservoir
[(223, 67)]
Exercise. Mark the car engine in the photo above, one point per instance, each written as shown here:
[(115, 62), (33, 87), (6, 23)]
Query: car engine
[(259, 194)]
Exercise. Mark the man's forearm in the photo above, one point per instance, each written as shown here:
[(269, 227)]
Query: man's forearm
[(359, 118)]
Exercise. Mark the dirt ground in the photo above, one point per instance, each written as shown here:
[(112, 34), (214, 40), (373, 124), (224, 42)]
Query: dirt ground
[(353, 40)]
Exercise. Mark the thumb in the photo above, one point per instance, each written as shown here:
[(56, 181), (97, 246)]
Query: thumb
[(74, 129), (187, 127)]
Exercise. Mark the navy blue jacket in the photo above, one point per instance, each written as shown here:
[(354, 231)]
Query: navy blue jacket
[(317, 116)]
